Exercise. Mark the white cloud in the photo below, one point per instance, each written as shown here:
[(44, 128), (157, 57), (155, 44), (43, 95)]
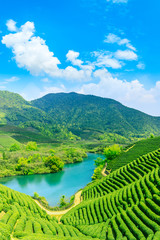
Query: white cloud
[(112, 38), (12, 79), (52, 89), (31, 52), (46, 80), (132, 94), (141, 66), (126, 55), (71, 73), (11, 25), (105, 59), (73, 58)]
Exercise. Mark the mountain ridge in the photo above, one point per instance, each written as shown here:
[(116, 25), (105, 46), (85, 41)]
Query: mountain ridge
[(86, 116)]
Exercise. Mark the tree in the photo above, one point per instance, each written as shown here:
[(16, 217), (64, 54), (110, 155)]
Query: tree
[(99, 161), (111, 152), (151, 135), (36, 195), (4, 155), (31, 146), (54, 163), (63, 201), (14, 147)]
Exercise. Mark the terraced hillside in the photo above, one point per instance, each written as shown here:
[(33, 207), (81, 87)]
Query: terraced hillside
[(122, 206), (22, 218), (133, 151)]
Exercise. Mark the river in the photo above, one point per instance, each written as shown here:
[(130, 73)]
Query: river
[(52, 186)]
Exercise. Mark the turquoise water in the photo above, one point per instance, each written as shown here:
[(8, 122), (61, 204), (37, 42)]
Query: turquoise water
[(53, 186)]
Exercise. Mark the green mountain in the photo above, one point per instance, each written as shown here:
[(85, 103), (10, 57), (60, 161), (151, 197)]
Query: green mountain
[(87, 113), (64, 115), (15, 111)]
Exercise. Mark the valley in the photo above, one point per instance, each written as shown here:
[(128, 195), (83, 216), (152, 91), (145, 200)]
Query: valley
[(45, 163)]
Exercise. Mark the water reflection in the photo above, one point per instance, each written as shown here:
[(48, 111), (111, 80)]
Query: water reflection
[(53, 186)]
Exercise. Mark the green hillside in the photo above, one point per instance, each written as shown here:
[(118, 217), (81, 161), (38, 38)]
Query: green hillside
[(68, 115), (133, 151), (125, 205), (81, 113)]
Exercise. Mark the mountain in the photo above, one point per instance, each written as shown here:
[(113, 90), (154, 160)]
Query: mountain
[(86, 112), (64, 115)]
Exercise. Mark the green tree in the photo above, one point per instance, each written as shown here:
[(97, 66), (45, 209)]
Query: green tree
[(63, 201), (99, 161), (52, 151), (22, 162), (36, 195), (54, 163), (31, 146), (111, 152), (4, 155), (151, 135), (14, 147)]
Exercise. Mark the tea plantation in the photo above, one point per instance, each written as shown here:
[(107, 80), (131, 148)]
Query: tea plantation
[(125, 205)]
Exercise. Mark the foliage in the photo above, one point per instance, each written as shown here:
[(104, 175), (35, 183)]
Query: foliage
[(112, 152), (31, 146), (91, 116), (14, 147), (99, 161), (75, 155), (63, 201), (54, 163), (97, 172), (75, 117), (133, 151)]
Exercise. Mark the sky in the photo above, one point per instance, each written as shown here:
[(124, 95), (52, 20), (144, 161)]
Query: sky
[(108, 48)]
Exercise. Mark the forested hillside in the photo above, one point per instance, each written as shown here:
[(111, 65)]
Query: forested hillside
[(72, 115), (86, 112)]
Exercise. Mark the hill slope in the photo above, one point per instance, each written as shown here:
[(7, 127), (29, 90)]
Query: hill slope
[(59, 115), (86, 112)]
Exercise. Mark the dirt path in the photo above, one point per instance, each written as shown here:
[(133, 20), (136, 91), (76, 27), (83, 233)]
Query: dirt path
[(103, 170), (129, 148), (59, 214)]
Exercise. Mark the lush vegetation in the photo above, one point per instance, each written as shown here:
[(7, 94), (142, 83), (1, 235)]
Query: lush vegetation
[(40, 136), (75, 116), (22, 218), (33, 158), (92, 117), (123, 205), (133, 151)]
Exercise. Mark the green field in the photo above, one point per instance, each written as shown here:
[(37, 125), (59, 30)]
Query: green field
[(135, 150), (125, 205)]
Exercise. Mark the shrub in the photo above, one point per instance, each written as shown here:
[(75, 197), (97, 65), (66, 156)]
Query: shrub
[(31, 146)]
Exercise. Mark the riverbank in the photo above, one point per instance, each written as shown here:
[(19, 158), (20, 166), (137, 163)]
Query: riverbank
[(53, 186), (59, 214)]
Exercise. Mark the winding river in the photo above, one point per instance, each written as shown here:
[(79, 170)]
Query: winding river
[(53, 186)]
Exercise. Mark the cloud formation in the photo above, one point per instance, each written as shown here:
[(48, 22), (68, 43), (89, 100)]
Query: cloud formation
[(31, 52), (132, 94), (11, 25), (112, 38), (126, 55)]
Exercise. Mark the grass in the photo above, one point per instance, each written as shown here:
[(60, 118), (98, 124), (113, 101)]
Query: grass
[(139, 148), (6, 141)]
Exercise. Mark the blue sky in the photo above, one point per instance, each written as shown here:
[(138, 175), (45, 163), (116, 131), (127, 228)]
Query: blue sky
[(108, 48)]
